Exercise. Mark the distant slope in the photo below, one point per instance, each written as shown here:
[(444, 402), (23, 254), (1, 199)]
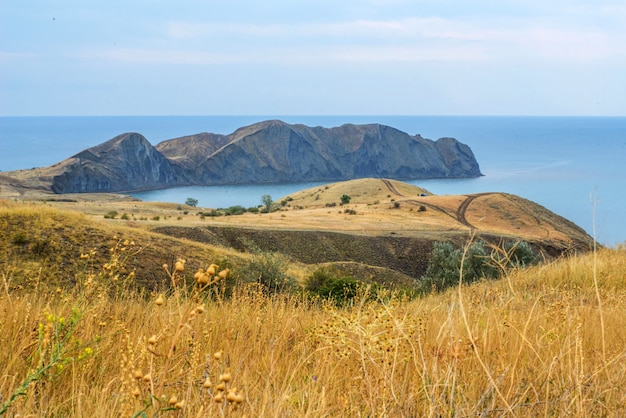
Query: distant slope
[(265, 152), (388, 224)]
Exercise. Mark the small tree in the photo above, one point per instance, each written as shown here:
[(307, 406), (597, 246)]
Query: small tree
[(191, 202), (267, 202), (345, 199)]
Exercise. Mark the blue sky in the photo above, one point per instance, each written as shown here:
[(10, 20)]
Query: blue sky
[(299, 57)]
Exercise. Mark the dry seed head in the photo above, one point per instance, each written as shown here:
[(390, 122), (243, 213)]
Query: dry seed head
[(166, 267), (207, 383), (198, 274), (224, 274), (160, 300), (203, 278), (137, 374), (218, 398), (200, 309), (212, 269), (179, 266), (173, 400), (221, 387), (146, 377), (152, 340), (136, 392), (226, 377), (217, 355), (180, 404), (231, 396)]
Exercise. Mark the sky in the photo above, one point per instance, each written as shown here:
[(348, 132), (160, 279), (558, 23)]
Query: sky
[(305, 57)]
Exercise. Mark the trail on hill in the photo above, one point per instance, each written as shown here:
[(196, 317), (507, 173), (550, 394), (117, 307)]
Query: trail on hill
[(391, 187)]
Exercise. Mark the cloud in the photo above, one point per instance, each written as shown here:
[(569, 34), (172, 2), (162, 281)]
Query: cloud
[(496, 38)]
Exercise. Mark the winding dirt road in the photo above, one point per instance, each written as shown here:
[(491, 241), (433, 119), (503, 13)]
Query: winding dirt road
[(459, 215)]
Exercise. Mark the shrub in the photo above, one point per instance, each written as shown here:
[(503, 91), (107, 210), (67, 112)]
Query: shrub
[(444, 266), (267, 202), (345, 199), (191, 202), (422, 208), (268, 270), (235, 210), (328, 284), (110, 215)]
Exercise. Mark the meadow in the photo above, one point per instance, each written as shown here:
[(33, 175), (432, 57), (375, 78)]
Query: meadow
[(78, 339)]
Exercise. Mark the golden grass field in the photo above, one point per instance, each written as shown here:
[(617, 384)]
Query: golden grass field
[(78, 341)]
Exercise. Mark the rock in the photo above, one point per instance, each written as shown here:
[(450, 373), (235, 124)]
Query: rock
[(266, 152)]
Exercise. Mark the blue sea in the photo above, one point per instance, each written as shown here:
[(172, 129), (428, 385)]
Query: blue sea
[(574, 166)]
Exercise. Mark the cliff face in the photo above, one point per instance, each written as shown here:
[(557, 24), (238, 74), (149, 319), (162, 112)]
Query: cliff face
[(273, 151), (266, 152), (126, 162)]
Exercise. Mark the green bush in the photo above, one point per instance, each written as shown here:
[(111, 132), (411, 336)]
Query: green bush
[(234, 210), (268, 270), (345, 199), (328, 284), (110, 215), (444, 267)]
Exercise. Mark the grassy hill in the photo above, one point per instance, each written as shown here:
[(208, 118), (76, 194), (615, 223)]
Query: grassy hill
[(546, 340)]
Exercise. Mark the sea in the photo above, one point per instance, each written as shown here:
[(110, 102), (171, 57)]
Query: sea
[(574, 166)]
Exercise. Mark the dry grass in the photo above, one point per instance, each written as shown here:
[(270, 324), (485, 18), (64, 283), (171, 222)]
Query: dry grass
[(537, 343)]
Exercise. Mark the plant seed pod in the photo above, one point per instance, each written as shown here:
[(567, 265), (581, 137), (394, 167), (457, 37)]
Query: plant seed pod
[(217, 355), (226, 377), (152, 340), (136, 392), (224, 274), (180, 404), (203, 279), (160, 300), (212, 269), (231, 396), (200, 309), (221, 387), (207, 383), (173, 400), (137, 374), (218, 398), (146, 377), (179, 266)]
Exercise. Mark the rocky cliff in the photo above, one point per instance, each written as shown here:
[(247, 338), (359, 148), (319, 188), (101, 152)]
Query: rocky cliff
[(265, 152)]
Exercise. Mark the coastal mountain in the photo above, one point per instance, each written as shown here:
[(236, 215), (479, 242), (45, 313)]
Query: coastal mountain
[(265, 152)]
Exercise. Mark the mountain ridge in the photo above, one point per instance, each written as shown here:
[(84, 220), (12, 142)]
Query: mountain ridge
[(270, 151)]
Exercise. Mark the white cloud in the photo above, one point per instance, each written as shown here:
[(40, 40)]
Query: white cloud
[(524, 38)]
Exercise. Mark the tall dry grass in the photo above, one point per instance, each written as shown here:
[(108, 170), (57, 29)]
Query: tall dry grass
[(536, 343)]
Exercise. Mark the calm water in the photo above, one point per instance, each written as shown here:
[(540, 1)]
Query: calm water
[(562, 163)]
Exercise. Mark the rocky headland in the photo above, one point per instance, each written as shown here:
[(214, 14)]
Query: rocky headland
[(266, 152)]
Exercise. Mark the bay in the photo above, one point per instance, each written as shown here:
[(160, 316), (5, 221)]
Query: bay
[(573, 166)]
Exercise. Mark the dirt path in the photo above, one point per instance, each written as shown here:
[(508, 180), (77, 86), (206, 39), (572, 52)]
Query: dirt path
[(391, 187), (460, 212)]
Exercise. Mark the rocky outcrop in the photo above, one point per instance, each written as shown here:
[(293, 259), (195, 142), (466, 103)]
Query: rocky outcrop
[(277, 152), (124, 163), (266, 152)]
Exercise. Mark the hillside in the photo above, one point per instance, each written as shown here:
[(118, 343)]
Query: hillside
[(266, 152), (385, 233), (545, 341)]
